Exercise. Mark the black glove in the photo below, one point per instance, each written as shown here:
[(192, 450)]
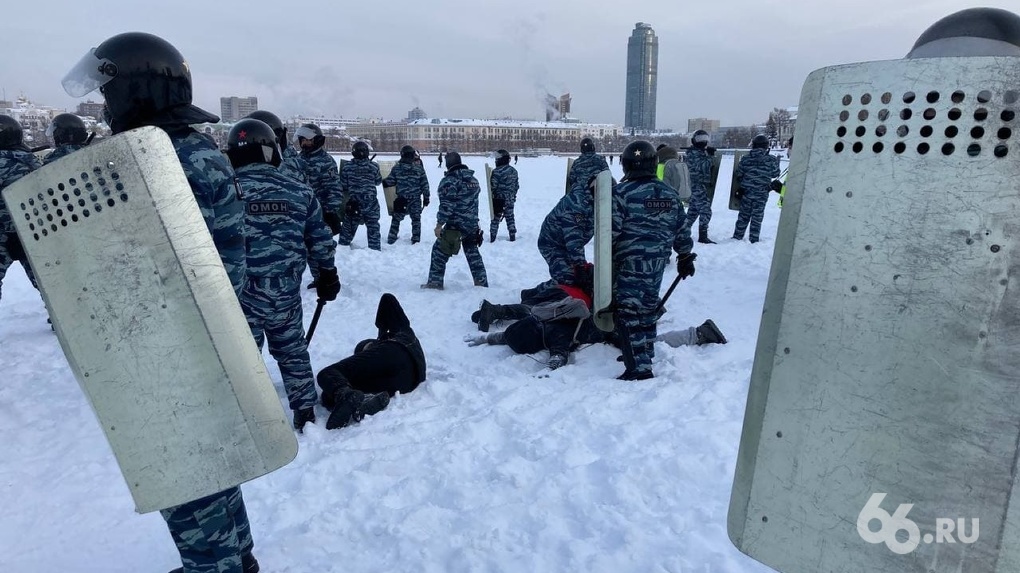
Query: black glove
[(739, 193), (710, 150), (425, 202), (400, 205), (776, 185), (15, 249), (584, 276), (328, 284), (352, 209), (685, 265), (333, 221)]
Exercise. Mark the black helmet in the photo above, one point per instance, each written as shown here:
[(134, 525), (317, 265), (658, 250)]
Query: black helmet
[(700, 139), (587, 145), (310, 132), (252, 141), (760, 141), (144, 80), (67, 128), (639, 160), (274, 123), (971, 32), (452, 159), (360, 150), (502, 158), (407, 154), (11, 134)]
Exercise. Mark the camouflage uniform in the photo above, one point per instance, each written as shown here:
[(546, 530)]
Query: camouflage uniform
[(755, 173), (412, 185), (565, 231), (588, 165), (324, 178), (699, 166), (648, 219), (458, 210), (14, 164), (504, 186), (294, 165), (358, 180), (212, 533), (284, 229), (60, 151)]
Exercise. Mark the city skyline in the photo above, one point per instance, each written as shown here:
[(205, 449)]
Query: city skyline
[(735, 62)]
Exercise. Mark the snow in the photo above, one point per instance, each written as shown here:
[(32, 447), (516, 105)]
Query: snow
[(489, 466)]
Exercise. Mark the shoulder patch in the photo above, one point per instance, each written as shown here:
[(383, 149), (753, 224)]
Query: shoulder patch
[(268, 208), (659, 204)]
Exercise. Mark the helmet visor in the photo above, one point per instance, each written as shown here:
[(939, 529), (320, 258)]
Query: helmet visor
[(304, 132), (88, 75)]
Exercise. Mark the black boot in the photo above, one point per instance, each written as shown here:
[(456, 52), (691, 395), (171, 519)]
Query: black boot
[(490, 313), (709, 333), (513, 237), (352, 406), (703, 237), (302, 417), (486, 315), (248, 565)]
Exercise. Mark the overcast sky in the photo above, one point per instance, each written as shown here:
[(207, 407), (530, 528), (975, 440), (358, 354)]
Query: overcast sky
[(732, 60)]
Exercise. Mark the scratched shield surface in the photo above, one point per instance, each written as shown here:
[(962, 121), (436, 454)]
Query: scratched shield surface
[(888, 359), (148, 320)]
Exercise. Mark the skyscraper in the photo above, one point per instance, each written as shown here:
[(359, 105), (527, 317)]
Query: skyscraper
[(236, 108), (642, 78)]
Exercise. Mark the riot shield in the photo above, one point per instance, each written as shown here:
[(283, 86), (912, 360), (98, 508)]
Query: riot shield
[(149, 321), (881, 427), (603, 252)]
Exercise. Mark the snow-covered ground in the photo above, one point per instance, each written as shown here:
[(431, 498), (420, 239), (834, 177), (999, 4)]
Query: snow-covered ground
[(486, 467)]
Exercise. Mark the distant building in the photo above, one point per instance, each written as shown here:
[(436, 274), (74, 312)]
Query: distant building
[(709, 125), (233, 109), (480, 135), (557, 108), (642, 78), (328, 122), (416, 113), (90, 109)]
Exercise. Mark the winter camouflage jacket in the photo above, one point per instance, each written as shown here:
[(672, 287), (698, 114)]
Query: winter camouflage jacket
[(756, 171), (218, 196), (61, 151), (648, 220), (458, 200), (410, 180), (699, 165), (359, 179), (570, 225), (283, 224), (588, 165), (504, 182), (293, 165), (324, 179), (14, 164)]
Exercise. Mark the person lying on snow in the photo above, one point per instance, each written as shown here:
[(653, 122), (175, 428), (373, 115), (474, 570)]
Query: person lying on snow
[(558, 318), (362, 384)]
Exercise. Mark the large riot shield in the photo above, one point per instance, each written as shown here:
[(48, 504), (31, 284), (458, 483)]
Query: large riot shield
[(389, 193), (882, 420), (603, 292), (149, 321), (488, 191)]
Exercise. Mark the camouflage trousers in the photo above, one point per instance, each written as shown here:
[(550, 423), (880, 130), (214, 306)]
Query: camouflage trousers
[(368, 206), (636, 297), (508, 214), (10, 251), (437, 268), (211, 533), (272, 306), (700, 208), (752, 211), (414, 211), (560, 260)]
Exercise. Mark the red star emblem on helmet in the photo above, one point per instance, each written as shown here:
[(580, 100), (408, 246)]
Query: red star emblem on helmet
[(242, 134)]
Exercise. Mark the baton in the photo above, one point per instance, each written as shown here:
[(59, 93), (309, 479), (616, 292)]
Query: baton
[(315, 320), (669, 292)]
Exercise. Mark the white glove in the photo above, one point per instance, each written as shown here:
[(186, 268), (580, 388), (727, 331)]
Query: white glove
[(475, 340)]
